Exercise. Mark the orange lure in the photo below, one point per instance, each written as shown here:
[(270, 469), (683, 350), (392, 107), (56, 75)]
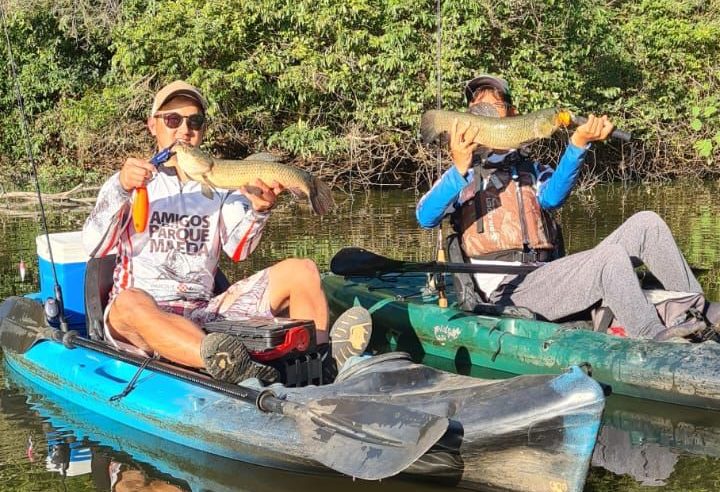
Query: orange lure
[(140, 209), (141, 203)]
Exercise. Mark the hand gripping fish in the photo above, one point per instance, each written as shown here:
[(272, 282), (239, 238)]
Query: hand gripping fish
[(232, 174), (503, 133)]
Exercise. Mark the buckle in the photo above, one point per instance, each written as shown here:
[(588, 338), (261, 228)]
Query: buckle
[(528, 256)]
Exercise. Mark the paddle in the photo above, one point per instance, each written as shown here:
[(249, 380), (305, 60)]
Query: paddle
[(361, 438), (361, 262)]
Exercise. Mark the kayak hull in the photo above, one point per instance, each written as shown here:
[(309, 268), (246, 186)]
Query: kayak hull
[(680, 373), (542, 429)]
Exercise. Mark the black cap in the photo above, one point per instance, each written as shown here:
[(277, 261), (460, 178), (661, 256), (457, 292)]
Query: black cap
[(486, 80)]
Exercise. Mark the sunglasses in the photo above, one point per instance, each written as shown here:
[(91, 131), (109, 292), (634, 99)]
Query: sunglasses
[(174, 120)]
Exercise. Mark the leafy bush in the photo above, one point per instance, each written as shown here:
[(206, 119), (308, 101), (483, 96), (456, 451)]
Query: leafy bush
[(344, 82)]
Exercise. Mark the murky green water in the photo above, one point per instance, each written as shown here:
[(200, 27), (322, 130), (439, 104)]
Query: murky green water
[(642, 444)]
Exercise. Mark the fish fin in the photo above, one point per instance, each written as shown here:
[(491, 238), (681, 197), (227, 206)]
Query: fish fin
[(263, 156), (321, 197), (207, 191), (253, 189), (297, 192), (428, 131), (527, 143), (207, 187), (483, 152)]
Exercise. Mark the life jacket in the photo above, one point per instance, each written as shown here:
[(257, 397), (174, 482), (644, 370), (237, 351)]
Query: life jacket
[(500, 217)]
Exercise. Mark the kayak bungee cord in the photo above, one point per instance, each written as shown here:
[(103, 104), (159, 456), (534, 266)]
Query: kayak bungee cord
[(54, 310)]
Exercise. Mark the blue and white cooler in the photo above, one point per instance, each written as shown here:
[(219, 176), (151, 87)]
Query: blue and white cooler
[(70, 262)]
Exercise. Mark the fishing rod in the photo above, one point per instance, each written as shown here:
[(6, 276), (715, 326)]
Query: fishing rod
[(54, 309), (438, 277)]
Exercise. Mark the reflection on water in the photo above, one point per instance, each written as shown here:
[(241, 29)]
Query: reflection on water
[(641, 442), (77, 449)]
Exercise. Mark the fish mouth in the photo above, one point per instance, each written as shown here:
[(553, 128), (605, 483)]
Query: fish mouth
[(563, 118), (182, 143)]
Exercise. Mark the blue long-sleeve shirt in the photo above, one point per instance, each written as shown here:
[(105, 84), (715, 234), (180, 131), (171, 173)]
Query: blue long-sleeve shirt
[(553, 187)]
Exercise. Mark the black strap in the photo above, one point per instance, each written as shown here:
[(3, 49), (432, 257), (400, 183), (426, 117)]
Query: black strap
[(133, 382), (477, 202)]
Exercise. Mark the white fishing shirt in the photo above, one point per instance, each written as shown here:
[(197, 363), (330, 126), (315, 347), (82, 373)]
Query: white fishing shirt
[(176, 257)]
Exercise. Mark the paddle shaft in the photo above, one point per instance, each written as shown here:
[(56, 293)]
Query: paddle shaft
[(264, 400), (360, 262), (435, 267)]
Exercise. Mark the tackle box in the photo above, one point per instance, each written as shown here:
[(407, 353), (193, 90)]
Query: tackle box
[(287, 344)]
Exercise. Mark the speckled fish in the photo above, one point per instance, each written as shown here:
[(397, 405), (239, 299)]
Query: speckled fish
[(232, 174), (496, 133)]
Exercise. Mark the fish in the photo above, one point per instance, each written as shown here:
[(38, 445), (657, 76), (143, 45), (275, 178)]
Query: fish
[(232, 174), (507, 133)]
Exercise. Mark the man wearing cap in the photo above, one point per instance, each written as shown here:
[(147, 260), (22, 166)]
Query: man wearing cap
[(498, 204), (163, 284)]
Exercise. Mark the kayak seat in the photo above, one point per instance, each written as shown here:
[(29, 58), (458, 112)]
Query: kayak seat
[(98, 284), (469, 297)]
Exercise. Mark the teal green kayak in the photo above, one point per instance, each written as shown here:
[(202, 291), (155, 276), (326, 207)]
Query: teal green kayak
[(406, 319)]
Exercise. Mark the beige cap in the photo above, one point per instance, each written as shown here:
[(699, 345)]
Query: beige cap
[(177, 88)]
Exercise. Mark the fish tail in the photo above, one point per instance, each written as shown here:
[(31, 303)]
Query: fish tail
[(428, 132), (321, 197)]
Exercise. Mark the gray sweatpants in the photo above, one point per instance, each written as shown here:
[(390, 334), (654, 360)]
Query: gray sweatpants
[(606, 273)]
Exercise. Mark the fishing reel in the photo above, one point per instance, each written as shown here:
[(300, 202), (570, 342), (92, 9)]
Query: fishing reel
[(54, 312)]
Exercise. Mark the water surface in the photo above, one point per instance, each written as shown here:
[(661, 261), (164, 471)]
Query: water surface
[(643, 445)]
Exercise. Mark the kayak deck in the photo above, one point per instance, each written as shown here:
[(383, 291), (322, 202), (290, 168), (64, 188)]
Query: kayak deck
[(405, 319)]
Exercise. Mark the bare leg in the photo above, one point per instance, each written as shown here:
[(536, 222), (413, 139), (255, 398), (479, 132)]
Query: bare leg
[(295, 286), (136, 317)]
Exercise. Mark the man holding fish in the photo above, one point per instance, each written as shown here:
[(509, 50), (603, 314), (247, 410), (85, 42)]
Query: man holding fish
[(164, 280), (498, 199)]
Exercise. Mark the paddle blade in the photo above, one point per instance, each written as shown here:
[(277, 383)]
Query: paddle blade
[(367, 439), (359, 261)]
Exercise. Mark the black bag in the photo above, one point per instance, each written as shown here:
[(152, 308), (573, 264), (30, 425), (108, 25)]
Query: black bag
[(468, 296), (672, 307)]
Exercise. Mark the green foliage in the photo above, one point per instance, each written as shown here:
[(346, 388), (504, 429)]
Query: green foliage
[(51, 67), (309, 77)]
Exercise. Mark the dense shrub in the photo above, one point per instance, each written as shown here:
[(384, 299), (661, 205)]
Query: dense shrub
[(340, 85)]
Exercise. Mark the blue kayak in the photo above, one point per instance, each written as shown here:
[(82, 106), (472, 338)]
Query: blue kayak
[(531, 433)]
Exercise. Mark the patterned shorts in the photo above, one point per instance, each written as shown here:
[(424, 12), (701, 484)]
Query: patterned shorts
[(245, 298)]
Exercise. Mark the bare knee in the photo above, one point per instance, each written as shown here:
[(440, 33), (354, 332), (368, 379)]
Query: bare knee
[(128, 305), (300, 271)]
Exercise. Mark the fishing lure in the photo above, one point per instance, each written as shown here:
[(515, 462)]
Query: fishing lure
[(141, 203)]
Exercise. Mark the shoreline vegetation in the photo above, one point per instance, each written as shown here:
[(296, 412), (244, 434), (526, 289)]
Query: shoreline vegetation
[(338, 88)]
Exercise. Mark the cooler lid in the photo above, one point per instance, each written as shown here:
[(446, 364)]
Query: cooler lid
[(66, 247)]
